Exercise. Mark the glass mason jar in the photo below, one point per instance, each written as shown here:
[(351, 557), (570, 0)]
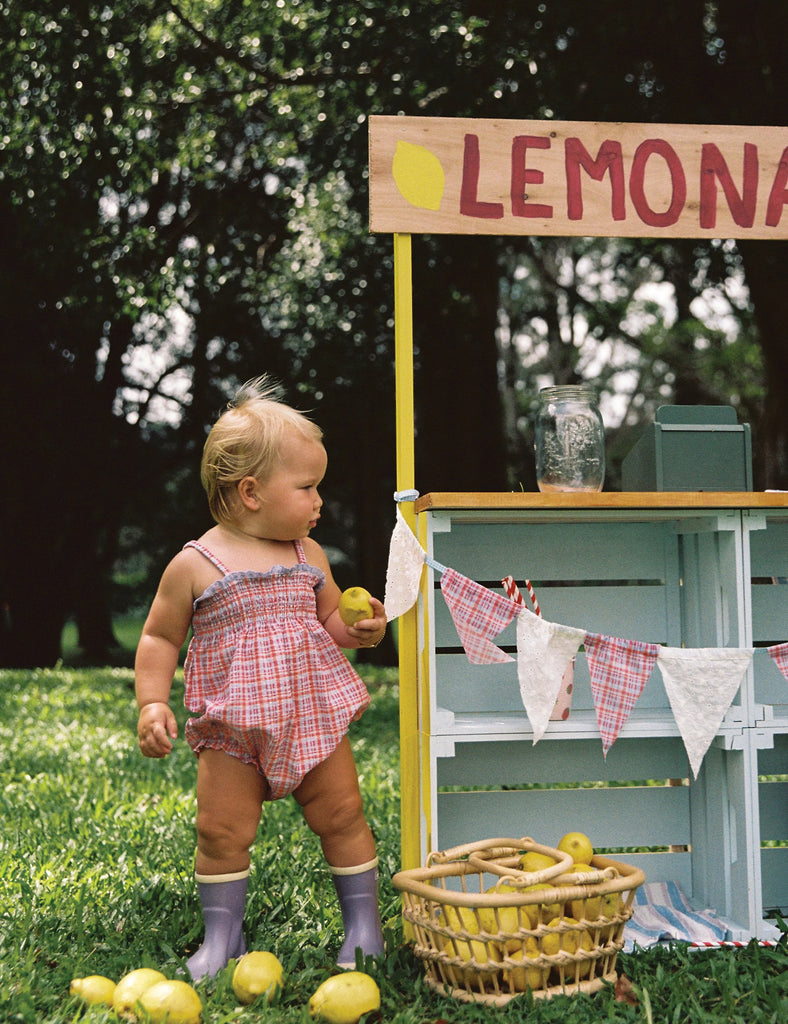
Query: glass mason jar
[(570, 439)]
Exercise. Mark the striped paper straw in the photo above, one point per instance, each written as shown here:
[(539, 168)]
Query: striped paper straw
[(512, 590), (532, 595)]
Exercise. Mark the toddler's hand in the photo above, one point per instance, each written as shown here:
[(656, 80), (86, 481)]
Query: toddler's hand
[(156, 728), (369, 632)]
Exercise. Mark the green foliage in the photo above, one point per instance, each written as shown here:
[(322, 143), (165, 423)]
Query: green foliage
[(96, 862), (183, 204)]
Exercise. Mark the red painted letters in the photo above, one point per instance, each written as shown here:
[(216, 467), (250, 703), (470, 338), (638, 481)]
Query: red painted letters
[(522, 176), (469, 201)]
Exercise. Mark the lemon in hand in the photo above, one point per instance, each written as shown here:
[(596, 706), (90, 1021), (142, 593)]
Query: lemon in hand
[(93, 989), (343, 998), (256, 974), (355, 605), (131, 987), (175, 1002)]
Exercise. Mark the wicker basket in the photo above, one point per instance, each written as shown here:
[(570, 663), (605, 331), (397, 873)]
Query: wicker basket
[(486, 935)]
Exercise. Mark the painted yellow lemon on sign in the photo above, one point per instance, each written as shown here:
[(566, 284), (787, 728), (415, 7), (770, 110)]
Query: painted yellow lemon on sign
[(418, 175)]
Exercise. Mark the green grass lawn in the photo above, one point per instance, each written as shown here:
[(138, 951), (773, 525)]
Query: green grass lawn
[(96, 877)]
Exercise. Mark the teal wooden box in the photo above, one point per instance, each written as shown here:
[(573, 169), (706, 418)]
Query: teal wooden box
[(691, 448)]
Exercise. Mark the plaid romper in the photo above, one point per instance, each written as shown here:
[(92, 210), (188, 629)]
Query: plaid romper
[(270, 686)]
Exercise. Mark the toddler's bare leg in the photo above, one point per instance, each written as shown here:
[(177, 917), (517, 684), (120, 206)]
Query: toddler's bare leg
[(230, 796), (331, 802), (229, 799)]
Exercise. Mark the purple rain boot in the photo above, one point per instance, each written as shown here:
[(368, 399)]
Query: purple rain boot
[(357, 889), (223, 899)]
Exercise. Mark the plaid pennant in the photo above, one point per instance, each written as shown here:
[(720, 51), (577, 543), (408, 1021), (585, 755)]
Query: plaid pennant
[(779, 655), (477, 613), (619, 670)]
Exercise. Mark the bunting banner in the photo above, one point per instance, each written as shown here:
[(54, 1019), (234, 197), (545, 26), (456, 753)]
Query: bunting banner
[(403, 573), (544, 652), (619, 671), (478, 614), (779, 655), (700, 683)]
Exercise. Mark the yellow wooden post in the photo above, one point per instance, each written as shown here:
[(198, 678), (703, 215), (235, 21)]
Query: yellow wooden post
[(408, 628)]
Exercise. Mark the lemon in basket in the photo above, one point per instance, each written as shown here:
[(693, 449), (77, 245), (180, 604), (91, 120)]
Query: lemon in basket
[(521, 978), (473, 950), (464, 920), (612, 906), (500, 919), (458, 919), (578, 846), (545, 911), (534, 861), (591, 907), (567, 940), (584, 966)]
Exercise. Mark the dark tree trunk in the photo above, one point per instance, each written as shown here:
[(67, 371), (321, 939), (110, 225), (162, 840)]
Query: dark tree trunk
[(765, 265), (460, 443)]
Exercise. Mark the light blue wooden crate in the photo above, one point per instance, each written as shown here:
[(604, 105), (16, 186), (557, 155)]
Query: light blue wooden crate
[(769, 595), (680, 579), (773, 804), (696, 833)]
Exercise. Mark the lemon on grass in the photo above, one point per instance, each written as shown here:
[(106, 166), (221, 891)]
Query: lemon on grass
[(93, 989), (343, 998), (131, 987), (257, 973), (175, 1002)]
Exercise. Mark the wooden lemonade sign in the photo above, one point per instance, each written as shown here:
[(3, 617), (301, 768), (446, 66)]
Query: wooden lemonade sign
[(475, 176)]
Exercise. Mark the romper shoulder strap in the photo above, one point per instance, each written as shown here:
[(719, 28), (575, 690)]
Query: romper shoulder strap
[(299, 549), (209, 555)]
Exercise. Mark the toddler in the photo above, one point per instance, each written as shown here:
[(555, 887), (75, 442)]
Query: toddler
[(271, 693)]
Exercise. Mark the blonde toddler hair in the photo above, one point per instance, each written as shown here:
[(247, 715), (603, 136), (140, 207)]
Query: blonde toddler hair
[(246, 440)]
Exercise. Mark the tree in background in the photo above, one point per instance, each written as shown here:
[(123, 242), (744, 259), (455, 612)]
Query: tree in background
[(183, 205)]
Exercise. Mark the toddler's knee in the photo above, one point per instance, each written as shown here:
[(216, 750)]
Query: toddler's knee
[(339, 815), (221, 838)]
